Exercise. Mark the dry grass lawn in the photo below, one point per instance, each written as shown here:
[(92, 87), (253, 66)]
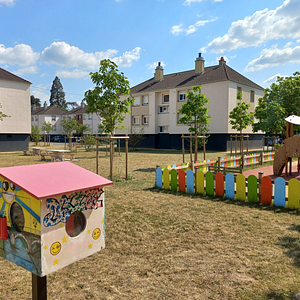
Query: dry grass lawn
[(161, 245)]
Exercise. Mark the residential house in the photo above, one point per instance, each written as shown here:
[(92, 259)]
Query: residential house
[(49, 114), (15, 101), (158, 99)]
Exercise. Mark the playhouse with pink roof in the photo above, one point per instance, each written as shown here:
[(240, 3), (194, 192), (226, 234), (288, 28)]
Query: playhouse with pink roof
[(51, 215)]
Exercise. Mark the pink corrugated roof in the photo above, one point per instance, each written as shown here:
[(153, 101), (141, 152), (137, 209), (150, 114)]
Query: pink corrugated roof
[(57, 178)]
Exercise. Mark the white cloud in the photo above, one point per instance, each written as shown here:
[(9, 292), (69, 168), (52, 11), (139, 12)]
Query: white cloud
[(72, 74), (176, 29), (128, 57), (274, 57), (7, 2), (39, 92), (27, 70), (272, 79), (188, 2), (155, 64), (64, 55), (21, 54), (263, 25)]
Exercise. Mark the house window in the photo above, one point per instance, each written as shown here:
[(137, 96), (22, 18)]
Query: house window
[(163, 129), (135, 120), (69, 118), (181, 96), (79, 117), (32, 119), (136, 101), (163, 109), (145, 120), (53, 118), (53, 127), (165, 98), (179, 116), (145, 100), (84, 117), (90, 117), (36, 118), (252, 97)]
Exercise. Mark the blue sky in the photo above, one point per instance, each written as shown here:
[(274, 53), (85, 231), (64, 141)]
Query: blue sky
[(41, 39)]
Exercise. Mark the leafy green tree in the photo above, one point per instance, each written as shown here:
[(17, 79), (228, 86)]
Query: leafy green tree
[(104, 98), (281, 100), (83, 128), (89, 142), (57, 96), (35, 134), (195, 112), (69, 126), (35, 101), (135, 138), (47, 127), (240, 116), (2, 115)]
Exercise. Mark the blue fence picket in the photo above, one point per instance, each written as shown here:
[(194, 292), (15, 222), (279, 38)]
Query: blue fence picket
[(234, 162), (222, 163), (279, 192), (190, 182), (207, 165), (230, 186), (159, 178)]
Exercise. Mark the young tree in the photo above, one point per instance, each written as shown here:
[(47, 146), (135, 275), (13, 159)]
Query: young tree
[(194, 112), (135, 138), (2, 115), (104, 98), (57, 96), (35, 101), (47, 127), (240, 117), (68, 126), (281, 100), (35, 134)]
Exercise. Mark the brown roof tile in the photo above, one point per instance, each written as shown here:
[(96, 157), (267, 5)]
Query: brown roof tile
[(189, 79), (5, 75), (50, 110)]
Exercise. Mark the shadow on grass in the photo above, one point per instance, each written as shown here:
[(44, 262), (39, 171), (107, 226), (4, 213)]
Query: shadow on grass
[(292, 248), (283, 210), (145, 170)]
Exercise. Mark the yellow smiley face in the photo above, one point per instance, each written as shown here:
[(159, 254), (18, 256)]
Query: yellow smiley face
[(96, 233), (55, 248)]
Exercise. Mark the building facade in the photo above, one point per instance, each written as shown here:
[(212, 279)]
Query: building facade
[(158, 100), (15, 101)]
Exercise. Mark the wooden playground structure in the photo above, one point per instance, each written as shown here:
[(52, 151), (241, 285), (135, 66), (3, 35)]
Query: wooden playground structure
[(290, 148), (191, 138)]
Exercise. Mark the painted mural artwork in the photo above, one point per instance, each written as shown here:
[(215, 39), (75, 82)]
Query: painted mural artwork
[(21, 229), (60, 210), (44, 235)]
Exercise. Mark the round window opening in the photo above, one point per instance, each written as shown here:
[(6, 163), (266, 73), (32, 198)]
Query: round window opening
[(17, 216), (75, 224)]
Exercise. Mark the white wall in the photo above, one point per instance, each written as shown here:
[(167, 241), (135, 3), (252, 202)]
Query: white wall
[(15, 101)]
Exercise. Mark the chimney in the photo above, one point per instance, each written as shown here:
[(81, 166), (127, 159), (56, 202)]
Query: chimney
[(82, 104), (34, 107), (45, 105), (199, 64), (222, 61), (159, 72)]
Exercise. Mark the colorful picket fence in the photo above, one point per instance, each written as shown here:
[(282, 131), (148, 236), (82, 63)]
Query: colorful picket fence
[(251, 189), (233, 161)]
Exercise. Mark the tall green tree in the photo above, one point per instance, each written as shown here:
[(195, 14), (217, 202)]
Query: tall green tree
[(281, 100), (104, 98), (47, 127), (57, 96), (36, 134), (195, 112), (240, 117), (68, 126), (2, 115)]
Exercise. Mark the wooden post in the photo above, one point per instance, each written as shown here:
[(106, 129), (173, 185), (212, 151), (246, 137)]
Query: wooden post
[(230, 145), (97, 159), (219, 163), (243, 160), (236, 145), (182, 138), (196, 148), (106, 149), (191, 148), (292, 130), (287, 129), (192, 166), (111, 158), (119, 147), (204, 148), (261, 158), (247, 143), (126, 159), (260, 175), (65, 143), (39, 287), (195, 179)]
